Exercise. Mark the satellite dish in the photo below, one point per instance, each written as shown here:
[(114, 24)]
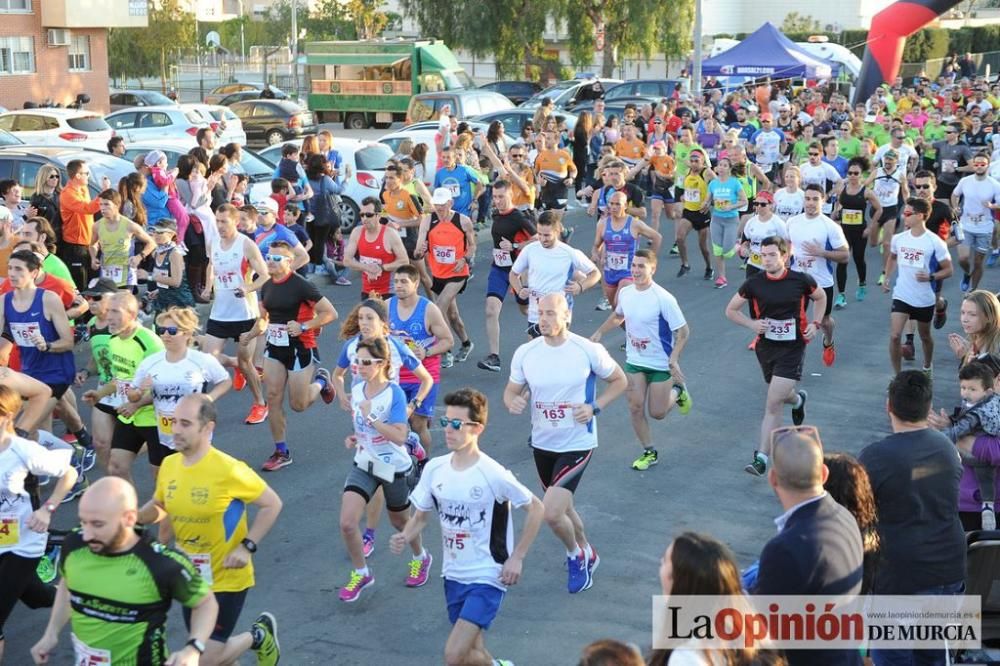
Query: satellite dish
[(213, 39)]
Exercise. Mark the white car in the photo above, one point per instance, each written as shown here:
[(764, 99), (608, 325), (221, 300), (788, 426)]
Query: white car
[(58, 127), (363, 171), (227, 125), (155, 123), (418, 136)]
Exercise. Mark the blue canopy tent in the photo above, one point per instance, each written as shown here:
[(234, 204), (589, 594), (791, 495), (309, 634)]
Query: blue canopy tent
[(767, 52)]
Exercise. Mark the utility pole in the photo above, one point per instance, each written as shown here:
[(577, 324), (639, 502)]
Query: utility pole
[(696, 60), (295, 50), (243, 40)]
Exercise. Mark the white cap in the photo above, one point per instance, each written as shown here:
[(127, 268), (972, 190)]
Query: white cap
[(267, 205), (441, 196)]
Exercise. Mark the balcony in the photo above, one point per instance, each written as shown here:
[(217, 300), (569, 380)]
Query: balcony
[(95, 13)]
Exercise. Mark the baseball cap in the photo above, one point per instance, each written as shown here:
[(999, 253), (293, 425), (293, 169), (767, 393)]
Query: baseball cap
[(890, 155), (267, 205), (153, 156), (164, 224), (441, 196), (766, 116), (99, 286)]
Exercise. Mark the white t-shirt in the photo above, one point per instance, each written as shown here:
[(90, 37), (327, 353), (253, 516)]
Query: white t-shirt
[(389, 405), (549, 270), (906, 152), (914, 254), (788, 204), (976, 217), (756, 230), (651, 317), (823, 175), (561, 376), (886, 185), (474, 507), (195, 373), (21, 457), (821, 230), (767, 147)]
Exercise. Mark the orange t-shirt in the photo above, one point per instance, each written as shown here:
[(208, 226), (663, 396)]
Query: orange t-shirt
[(631, 151), (446, 247)]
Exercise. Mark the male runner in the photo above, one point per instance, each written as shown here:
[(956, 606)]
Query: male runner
[(460, 181), (974, 200), (472, 495), (560, 370), (816, 171), (615, 240), (778, 297), (656, 332), (939, 223), (555, 172), (205, 493), (404, 210), (269, 231), (374, 249)]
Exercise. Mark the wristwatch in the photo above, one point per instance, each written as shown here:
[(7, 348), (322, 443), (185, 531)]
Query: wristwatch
[(196, 644), (597, 410), (250, 545), (417, 403), (51, 508), (372, 419)]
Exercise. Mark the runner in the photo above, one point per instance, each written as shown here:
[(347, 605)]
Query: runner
[(168, 272), (778, 297), (461, 181), (559, 369), (550, 266), (661, 168), (615, 242), (922, 258), (404, 209), (790, 201), (656, 332), (726, 197), (39, 230), (269, 231), (816, 171), (23, 522), (555, 172), (380, 461), (233, 261), (853, 199), (974, 200), (448, 240), (888, 181), (763, 224), (941, 222), (118, 244), (512, 229), (817, 243), (103, 415), (205, 493), (419, 323), (768, 145), (952, 162), (292, 312), (117, 588), (375, 250), (630, 149), (472, 495), (695, 195)]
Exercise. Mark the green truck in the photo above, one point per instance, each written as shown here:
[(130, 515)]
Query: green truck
[(370, 83)]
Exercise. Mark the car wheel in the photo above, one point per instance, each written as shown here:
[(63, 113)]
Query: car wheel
[(349, 214), (274, 137), (355, 121)]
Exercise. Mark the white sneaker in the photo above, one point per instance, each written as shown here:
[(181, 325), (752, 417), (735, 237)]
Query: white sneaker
[(989, 518), (603, 306)]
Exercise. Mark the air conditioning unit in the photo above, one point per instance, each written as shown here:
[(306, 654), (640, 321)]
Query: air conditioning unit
[(58, 37)]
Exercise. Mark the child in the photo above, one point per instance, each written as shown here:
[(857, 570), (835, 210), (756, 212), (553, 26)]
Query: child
[(279, 192), (239, 197), (335, 258), (291, 220), (164, 181), (980, 412)]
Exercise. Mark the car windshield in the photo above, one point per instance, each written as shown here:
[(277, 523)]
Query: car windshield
[(88, 124), (8, 139), (254, 166), (373, 157), (103, 165), (455, 80), (552, 92)]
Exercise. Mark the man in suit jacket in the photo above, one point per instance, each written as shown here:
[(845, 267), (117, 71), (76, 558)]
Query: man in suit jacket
[(817, 550)]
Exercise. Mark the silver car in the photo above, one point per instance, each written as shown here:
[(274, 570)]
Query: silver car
[(154, 123)]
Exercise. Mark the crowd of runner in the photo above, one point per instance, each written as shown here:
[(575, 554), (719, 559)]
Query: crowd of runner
[(153, 298)]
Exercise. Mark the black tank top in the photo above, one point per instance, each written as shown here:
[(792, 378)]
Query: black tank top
[(853, 201)]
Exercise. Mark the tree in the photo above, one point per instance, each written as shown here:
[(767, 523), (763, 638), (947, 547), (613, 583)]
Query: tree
[(798, 23), (369, 19), (143, 51)]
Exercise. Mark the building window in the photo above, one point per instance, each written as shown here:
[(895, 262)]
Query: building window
[(15, 5), (17, 55), (136, 7), (79, 53)]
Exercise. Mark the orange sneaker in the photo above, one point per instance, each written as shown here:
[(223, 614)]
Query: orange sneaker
[(258, 413), (829, 354), (239, 380)]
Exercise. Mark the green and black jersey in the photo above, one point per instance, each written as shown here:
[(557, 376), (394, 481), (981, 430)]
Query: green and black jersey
[(120, 601)]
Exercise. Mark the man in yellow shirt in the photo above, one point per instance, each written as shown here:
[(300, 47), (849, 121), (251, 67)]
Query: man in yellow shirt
[(205, 493)]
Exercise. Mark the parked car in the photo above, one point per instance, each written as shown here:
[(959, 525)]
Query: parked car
[(124, 99), (156, 123), (8, 139), (463, 103), (515, 119), (615, 108), (516, 91), (226, 124), (364, 170), (22, 164), (216, 95), (566, 94), (654, 89), (58, 127), (270, 121)]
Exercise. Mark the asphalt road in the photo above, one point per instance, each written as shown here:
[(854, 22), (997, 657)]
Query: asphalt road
[(630, 516)]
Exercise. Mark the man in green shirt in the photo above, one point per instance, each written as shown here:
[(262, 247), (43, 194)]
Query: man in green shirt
[(117, 588), (934, 131), (39, 230)]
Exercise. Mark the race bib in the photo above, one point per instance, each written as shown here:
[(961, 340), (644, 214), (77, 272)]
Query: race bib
[(445, 254), (723, 204), (456, 191), (228, 280), (502, 257), (852, 217), (165, 426), (911, 257), (10, 526), (556, 414), (84, 655), (805, 263), (115, 273), (457, 544), (277, 335), (638, 344), (616, 261), (203, 563), (159, 275), (374, 261), (25, 333), (780, 330), (755, 258), (122, 387), (949, 166), (692, 196)]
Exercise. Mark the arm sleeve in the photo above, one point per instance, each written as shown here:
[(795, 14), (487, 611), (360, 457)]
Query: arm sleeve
[(397, 413), (186, 584), (214, 371), (671, 311), (42, 462), (582, 262), (421, 496), (963, 425), (344, 361), (601, 362), (517, 367), (244, 483), (510, 489)]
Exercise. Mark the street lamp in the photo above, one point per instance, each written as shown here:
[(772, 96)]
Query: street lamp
[(295, 50)]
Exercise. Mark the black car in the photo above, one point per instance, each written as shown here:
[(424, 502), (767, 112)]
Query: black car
[(247, 90), (245, 95), (651, 89), (515, 91), (271, 121)]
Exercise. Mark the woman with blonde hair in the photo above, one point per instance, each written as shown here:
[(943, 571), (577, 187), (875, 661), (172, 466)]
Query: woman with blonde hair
[(45, 200), (980, 318), (404, 149), (310, 146), (419, 156)]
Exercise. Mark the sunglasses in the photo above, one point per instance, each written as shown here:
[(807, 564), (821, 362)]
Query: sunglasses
[(94, 297), (169, 330), (368, 214), (785, 432), (762, 203), (517, 155), (921, 187), (368, 362), (853, 173), (814, 154), (276, 258), (456, 424), (54, 176)]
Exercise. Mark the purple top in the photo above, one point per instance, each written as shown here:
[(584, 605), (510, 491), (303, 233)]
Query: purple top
[(986, 449)]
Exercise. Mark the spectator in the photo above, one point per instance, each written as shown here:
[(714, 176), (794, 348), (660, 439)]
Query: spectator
[(325, 207), (132, 187), (419, 156), (915, 475), (45, 200), (206, 139), (607, 652), (980, 317), (848, 485), (116, 146), (78, 221)]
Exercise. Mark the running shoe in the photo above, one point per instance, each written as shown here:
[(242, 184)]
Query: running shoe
[(84, 458), (352, 591), (78, 489), (683, 401), (414, 447), (709, 274), (684, 270), (579, 576), (447, 360), (829, 354), (567, 233), (840, 302), (342, 281), (721, 283), (604, 305), (881, 279), (757, 466), (991, 260), (861, 293), (368, 542), (930, 373), (464, 351), (675, 249), (258, 414), (799, 413), (989, 518), (265, 640), (502, 662), (420, 571), (907, 350), (239, 380), (966, 282), (328, 393), (48, 565), (491, 363), (592, 564), (648, 458), (277, 461), (941, 315)]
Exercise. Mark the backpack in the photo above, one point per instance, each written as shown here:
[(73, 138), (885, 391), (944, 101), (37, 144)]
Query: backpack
[(326, 207)]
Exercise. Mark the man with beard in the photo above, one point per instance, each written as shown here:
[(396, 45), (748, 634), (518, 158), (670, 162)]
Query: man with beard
[(118, 616)]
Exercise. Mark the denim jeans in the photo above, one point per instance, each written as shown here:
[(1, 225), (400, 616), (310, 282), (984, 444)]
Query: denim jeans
[(919, 657)]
